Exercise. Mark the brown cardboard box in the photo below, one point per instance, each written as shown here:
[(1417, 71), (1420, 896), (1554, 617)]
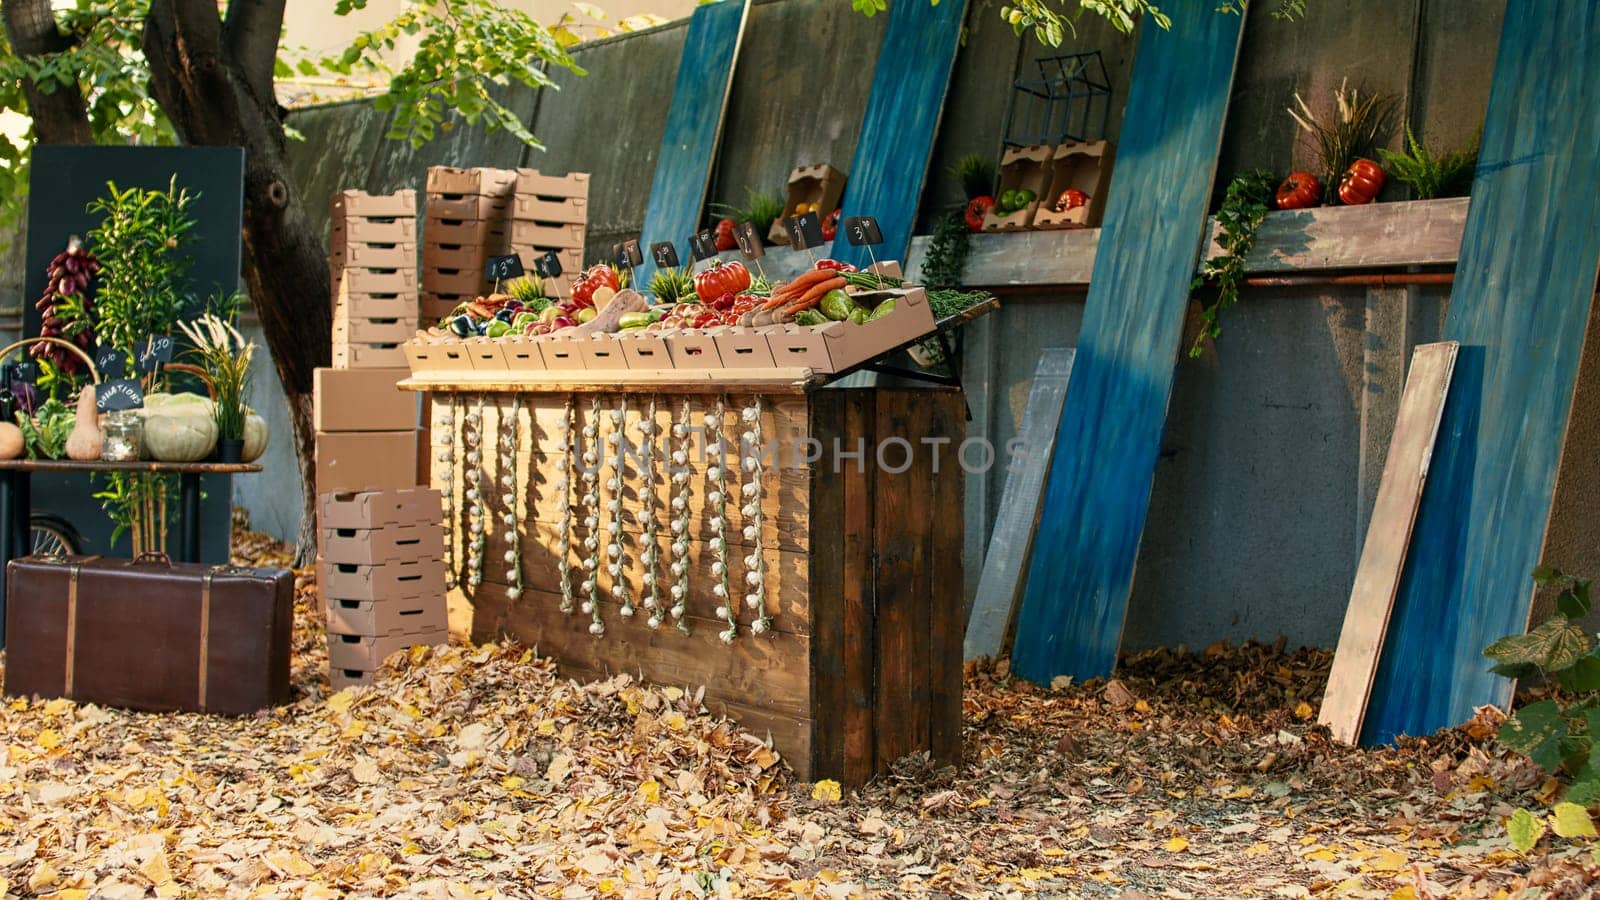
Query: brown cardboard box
[(1021, 167), (373, 546), (375, 281), (456, 256), (1086, 167), (373, 331), (375, 509), (571, 258), (438, 306), (367, 356), (468, 206), (364, 460), (548, 237), (487, 233), (359, 230), (480, 180), (385, 583), (352, 203), (453, 280), (374, 256), (573, 210), (820, 185), (375, 306), (362, 400), (339, 679), (533, 183), (375, 617), (366, 653)]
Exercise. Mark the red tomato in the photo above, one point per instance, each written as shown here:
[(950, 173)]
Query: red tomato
[(1071, 199), (1301, 190), (977, 208), (1361, 183), (722, 278), (593, 279), (833, 265), (725, 238), (830, 225)]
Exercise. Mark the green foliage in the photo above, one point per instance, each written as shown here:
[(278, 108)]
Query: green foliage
[(975, 172), (1431, 176), (143, 276), (1525, 830), (44, 436), (946, 257), (1561, 732), (1051, 22), (130, 500), (762, 210), (466, 49), (1350, 132), (1243, 209), (673, 285)]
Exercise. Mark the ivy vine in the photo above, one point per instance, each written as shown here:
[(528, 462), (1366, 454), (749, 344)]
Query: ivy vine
[(1244, 208)]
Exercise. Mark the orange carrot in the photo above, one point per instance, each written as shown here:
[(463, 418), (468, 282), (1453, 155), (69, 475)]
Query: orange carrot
[(814, 295), (797, 287)]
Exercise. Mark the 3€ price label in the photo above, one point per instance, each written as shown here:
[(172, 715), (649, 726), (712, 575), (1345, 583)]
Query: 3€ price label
[(111, 363), (120, 394), (749, 240), (805, 231), (548, 265), (503, 268), (862, 231), (703, 246), (665, 255), (154, 351)]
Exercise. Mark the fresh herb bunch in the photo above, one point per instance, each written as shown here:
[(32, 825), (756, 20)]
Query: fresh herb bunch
[(975, 172), (1353, 131), (673, 285), (946, 257), (44, 434), (1430, 176), (225, 355), (1244, 208), (143, 286)]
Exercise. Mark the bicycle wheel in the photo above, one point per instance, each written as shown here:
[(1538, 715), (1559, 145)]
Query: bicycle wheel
[(51, 536)]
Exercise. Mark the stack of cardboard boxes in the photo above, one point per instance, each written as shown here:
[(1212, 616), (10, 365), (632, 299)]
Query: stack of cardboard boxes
[(468, 218), (373, 256), (551, 213)]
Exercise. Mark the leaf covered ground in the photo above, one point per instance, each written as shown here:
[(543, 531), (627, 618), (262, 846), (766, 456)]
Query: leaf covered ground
[(477, 771)]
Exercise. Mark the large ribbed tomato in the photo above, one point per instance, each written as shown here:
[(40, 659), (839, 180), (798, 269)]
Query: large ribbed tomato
[(595, 278), (1361, 183), (728, 277), (1300, 190)]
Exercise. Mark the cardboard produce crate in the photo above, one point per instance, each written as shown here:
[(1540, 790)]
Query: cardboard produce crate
[(437, 306), (366, 460), (387, 582), (366, 653), (454, 279), (375, 617), (374, 256), (547, 237), (353, 204), (361, 400), (483, 181), (375, 306), (358, 230), (372, 546), (377, 508), (367, 356), (374, 332), (468, 206), (1021, 167), (820, 185), (456, 256), (570, 211), (533, 183), (375, 281), (1085, 167), (492, 234)]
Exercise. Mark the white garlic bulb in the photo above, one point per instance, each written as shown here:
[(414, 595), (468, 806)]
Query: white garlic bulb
[(588, 607), (749, 532), (677, 593), (596, 629), (759, 626), (722, 612)]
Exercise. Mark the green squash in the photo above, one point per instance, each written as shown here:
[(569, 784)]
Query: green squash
[(255, 438), (179, 437)]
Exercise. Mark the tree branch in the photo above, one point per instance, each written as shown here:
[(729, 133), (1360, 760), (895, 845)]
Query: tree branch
[(60, 114), (251, 31)]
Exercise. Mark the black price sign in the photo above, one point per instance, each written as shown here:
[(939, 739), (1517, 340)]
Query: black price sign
[(502, 268), (749, 240), (805, 231), (627, 254), (27, 371), (703, 246), (153, 352), (120, 394), (665, 255), (110, 363), (548, 265), (862, 231)]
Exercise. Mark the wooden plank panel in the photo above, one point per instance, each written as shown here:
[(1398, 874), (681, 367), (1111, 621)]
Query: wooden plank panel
[(1383, 556), (989, 624), (860, 611), (694, 124), (1521, 299), (827, 599), (903, 582), (897, 131), (1105, 456), (942, 556)]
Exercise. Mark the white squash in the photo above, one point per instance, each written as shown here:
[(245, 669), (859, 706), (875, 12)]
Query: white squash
[(84, 443), (179, 437), (255, 438)]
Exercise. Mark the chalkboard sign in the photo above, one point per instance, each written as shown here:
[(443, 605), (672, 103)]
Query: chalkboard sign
[(111, 363), (749, 240), (665, 255), (627, 254), (27, 371), (703, 245), (805, 231), (548, 265), (120, 394), (862, 231), (153, 352), (503, 268)]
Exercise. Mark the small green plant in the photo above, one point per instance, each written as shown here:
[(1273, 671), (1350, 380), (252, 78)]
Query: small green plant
[(1430, 176), (529, 289), (946, 257), (225, 355), (44, 434), (1244, 208), (143, 286), (975, 172), (761, 211), (1562, 731), (672, 285), (1359, 120)]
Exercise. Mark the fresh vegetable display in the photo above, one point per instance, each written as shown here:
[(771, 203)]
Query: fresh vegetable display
[(1014, 201), (830, 225), (1071, 199), (1301, 190), (1361, 183), (724, 235), (977, 208), (593, 279), (64, 308), (45, 433), (726, 277), (672, 285)]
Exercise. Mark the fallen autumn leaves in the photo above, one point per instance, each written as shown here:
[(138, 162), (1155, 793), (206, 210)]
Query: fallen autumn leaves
[(471, 771)]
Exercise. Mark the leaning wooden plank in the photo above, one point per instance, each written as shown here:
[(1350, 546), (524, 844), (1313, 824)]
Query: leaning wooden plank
[(1383, 557), (896, 141), (1529, 255), (1110, 432), (694, 124), (1018, 516)]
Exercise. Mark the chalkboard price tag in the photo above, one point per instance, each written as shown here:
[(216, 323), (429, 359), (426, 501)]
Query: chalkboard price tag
[(627, 254), (665, 255), (120, 394), (862, 231), (703, 246), (110, 363), (503, 268), (153, 352), (28, 371), (548, 265), (749, 240), (805, 231)]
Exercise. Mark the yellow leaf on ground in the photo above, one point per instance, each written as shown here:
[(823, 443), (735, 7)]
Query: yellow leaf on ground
[(1388, 861), (650, 791), (826, 791), (1303, 711), (1571, 821), (57, 706), (1177, 845), (48, 739), (1404, 893), (1257, 850), (156, 869), (365, 772), (559, 767)]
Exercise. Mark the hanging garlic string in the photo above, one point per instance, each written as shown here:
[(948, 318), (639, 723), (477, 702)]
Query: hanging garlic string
[(650, 550), (591, 518), (478, 487), (563, 490), (717, 508), (447, 502), (680, 518), (755, 564), (511, 497), (616, 563)]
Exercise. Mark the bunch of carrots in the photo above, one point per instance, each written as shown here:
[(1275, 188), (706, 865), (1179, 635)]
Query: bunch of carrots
[(804, 292)]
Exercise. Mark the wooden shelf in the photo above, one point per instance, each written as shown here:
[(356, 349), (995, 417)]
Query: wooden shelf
[(143, 465)]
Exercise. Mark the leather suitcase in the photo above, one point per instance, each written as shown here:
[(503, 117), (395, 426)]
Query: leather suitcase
[(149, 634)]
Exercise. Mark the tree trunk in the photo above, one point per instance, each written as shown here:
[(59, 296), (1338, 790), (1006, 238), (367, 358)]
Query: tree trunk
[(60, 115), (198, 78)]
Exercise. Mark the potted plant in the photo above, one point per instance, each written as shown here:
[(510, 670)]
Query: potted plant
[(224, 355), (1342, 141)]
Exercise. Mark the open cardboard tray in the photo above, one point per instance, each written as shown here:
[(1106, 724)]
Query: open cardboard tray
[(786, 353)]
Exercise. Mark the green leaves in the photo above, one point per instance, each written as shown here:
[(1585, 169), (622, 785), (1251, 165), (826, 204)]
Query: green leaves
[(1524, 829), (1537, 732), (1244, 208), (1569, 820), (1553, 646), (1431, 176)]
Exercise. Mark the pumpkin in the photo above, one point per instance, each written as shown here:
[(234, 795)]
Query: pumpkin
[(1361, 183), (10, 441), (179, 437), (1301, 190), (255, 438), (84, 443)]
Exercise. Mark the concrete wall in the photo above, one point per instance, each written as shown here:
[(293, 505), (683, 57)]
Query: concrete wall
[(1274, 441)]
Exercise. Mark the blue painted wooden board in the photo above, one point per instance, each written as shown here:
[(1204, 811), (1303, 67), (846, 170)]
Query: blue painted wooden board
[(1523, 286), (694, 126), (896, 141), (1105, 455)]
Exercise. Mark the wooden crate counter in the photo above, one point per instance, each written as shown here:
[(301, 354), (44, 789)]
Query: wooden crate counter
[(831, 618)]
